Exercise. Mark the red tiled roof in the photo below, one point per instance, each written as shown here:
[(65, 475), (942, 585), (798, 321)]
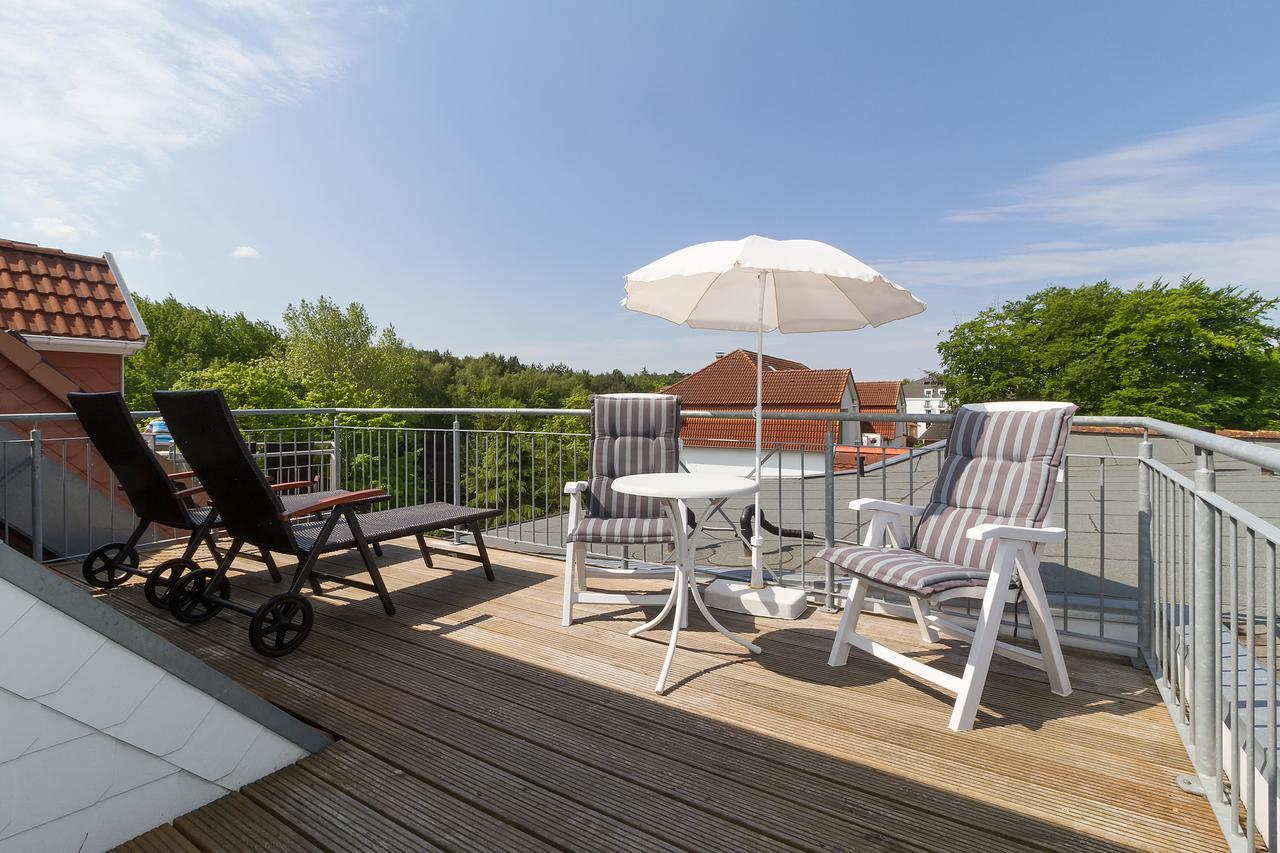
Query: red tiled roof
[(729, 384), (791, 435), (879, 395), (49, 292)]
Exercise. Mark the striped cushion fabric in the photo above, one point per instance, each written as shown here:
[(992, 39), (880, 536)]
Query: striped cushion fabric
[(623, 531), (908, 571), (1000, 467), (630, 434)]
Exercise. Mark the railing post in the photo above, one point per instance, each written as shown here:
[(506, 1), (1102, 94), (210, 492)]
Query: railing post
[(37, 497), (1205, 627), (335, 461), (457, 470), (829, 513), (1146, 563)]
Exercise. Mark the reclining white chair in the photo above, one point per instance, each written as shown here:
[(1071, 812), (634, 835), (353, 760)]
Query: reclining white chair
[(630, 434), (979, 537)]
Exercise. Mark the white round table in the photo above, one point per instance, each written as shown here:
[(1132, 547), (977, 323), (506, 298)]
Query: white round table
[(673, 490)]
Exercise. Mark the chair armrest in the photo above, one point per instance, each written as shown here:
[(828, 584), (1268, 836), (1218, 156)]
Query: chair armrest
[(363, 496), (1034, 535), (296, 484), (575, 488), (876, 505), (180, 475)]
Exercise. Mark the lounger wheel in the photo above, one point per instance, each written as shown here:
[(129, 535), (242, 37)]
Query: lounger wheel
[(281, 624), (192, 600), (161, 579), (109, 566)]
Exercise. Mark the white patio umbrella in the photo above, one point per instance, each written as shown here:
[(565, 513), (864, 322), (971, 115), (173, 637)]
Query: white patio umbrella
[(761, 285)]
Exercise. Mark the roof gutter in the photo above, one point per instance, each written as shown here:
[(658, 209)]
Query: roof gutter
[(63, 343)]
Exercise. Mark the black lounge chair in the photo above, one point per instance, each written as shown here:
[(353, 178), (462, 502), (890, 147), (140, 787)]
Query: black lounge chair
[(201, 424), (156, 498)]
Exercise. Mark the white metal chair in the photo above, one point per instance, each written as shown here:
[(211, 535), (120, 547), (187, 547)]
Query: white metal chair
[(630, 434), (979, 537)]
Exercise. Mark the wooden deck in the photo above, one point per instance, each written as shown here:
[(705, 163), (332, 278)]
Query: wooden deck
[(472, 721)]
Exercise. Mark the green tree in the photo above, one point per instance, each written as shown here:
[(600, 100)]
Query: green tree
[(323, 340), (184, 338), (1189, 353)]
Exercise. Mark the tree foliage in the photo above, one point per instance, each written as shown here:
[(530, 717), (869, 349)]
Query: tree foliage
[(1189, 353), (184, 338), (323, 341)]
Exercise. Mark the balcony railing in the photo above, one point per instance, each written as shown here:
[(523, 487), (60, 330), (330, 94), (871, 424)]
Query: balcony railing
[(1167, 560)]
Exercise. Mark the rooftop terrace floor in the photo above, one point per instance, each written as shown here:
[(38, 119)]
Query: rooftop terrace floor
[(471, 720)]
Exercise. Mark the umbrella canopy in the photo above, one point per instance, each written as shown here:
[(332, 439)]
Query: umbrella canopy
[(761, 285)]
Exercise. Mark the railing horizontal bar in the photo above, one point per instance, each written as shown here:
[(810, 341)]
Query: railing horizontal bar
[(1165, 471), (1264, 457)]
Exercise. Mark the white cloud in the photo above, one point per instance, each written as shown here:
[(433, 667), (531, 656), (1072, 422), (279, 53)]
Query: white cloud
[(145, 79), (53, 228), (1201, 201), (157, 248), (1252, 261), (245, 253), (1224, 171)]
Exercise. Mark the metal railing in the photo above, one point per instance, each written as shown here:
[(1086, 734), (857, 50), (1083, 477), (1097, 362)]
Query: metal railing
[(1208, 634), (1159, 563)]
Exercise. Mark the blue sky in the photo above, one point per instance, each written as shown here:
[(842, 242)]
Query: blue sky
[(483, 175)]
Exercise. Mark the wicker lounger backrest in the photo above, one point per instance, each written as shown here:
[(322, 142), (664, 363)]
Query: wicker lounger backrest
[(106, 420), (204, 430)]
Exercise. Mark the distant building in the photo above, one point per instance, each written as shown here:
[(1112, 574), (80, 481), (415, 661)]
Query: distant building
[(927, 397), (882, 396), (729, 384)]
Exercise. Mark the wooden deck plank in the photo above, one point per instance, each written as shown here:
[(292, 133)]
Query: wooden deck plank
[(331, 818), (668, 732), (525, 803), (474, 699), (162, 839), (236, 823), (428, 811), (808, 718)]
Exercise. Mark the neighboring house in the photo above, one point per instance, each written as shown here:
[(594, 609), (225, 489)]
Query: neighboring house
[(729, 384), (926, 397), (67, 322), (883, 397)]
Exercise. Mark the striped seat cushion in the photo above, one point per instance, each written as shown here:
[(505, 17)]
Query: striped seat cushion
[(630, 434), (623, 531), (1000, 467), (908, 571)]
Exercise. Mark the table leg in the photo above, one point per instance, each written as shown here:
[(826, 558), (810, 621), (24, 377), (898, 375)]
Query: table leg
[(706, 614), (666, 608), (681, 595)]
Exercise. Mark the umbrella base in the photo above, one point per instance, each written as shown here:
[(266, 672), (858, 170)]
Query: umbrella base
[(772, 601)]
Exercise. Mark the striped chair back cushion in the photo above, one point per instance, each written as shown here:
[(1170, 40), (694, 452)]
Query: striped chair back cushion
[(1000, 467), (630, 434)]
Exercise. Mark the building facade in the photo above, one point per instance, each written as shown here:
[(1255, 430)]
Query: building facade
[(925, 396)]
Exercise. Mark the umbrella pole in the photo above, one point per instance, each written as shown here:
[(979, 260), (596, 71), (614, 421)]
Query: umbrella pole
[(757, 542)]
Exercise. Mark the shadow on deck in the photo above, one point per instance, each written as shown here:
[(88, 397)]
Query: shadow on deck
[(471, 720)]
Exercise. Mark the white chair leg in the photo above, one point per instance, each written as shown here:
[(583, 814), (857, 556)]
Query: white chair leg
[(570, 580), (848, 623), (984, 641), (1045, 630), (920, 607), (580, 565)]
